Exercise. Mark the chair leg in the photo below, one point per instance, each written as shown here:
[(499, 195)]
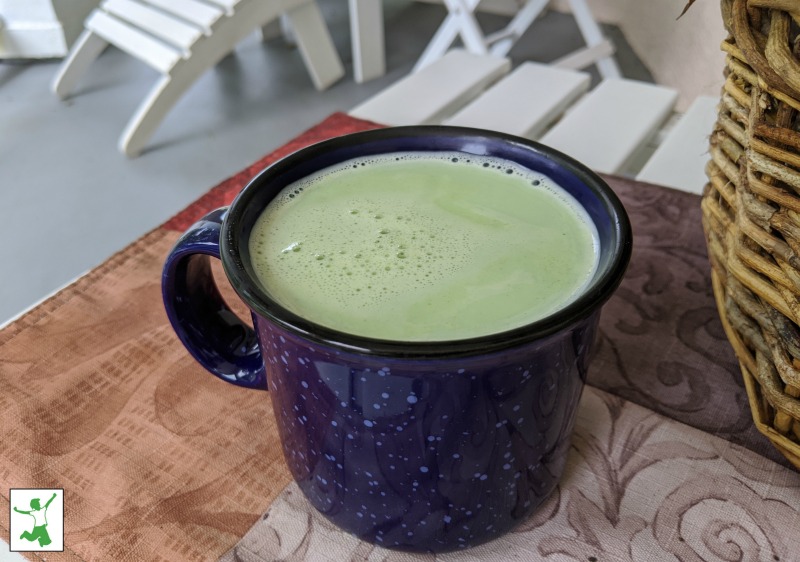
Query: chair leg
[(152, 111), (518, 25), (316, 45), (86, 49), (468, 28), (593, 36), (442, 39), (366, 31)]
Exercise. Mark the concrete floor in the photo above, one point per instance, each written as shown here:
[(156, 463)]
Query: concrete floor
[(69, 199)]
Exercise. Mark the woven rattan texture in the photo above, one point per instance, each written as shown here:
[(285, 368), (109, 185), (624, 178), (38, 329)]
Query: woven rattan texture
[(751, 210)]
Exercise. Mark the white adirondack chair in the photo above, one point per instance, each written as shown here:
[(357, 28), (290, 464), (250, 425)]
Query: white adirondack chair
[(461, 21), (619, 127), (182, 39)]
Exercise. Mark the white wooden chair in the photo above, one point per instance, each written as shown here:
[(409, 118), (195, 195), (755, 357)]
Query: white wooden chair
[(182, 39), (461, 21), (612, 128)]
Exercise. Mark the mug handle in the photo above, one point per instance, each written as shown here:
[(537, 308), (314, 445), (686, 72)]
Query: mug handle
[(215, 336)]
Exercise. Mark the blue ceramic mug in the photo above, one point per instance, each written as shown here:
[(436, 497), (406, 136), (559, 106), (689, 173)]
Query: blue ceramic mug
[(469, 436)]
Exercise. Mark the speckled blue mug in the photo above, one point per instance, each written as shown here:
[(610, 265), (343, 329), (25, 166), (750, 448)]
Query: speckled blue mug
[(415, 446)]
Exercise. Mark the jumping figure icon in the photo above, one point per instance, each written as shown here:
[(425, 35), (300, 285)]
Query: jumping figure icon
[(39, 514)]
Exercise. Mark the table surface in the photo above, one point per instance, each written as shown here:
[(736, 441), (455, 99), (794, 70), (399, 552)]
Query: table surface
[(160, 461)]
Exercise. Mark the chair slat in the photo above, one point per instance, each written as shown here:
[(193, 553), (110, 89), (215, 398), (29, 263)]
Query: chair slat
[(680, 160), (133, 41), (607, 126), (524, 102), (227, 5), (156, 22), (434, 92), (197, 13)]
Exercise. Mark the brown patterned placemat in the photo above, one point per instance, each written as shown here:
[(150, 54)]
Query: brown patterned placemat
[(637, 487), (661, 342), (157, 459), (160, 461)]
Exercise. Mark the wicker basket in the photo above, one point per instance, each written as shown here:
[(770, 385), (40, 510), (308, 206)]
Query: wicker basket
[(751, 210)]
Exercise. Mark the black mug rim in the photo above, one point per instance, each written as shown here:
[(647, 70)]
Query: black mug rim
[(259, 302)]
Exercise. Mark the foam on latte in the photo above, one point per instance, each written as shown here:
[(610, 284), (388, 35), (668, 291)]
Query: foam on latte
[(424, 246)]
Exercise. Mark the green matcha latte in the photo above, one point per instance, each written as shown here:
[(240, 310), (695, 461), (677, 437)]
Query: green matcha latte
[(424, 247)]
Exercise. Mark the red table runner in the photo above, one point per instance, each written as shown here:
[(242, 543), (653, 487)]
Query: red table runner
[(161, 461)]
